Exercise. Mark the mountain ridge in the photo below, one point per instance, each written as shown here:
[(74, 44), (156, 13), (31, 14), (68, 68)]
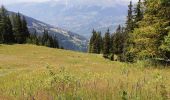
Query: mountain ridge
[(80, 19), (67, 39)]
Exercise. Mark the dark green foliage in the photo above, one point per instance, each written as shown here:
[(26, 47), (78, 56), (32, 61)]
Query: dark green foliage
[(49, 41), (165, 47), (130, 22), (25, 28), (109, 45), (61, 47), (6, 32), (138, 16), (119, 43), (106, 44), (45, 40), (33, 39), (95, 45), (124, 95), (20, 35)]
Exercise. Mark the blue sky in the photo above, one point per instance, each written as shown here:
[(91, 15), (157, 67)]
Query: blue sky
[(99, 2)]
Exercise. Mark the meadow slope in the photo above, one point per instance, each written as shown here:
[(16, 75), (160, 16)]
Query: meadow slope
[(29, 72)]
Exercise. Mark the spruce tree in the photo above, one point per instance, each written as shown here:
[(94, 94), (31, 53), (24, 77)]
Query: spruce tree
[(6, 32), (118, 40), (25, 29), (138, 14), (18, 33), (10, 36), (95, 45), (130, 22), (106, 44), (128, 44), (49, 41), (91, 44), (99, 43)]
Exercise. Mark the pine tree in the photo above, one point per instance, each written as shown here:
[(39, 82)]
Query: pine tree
[(56, 43), (25, 29), (49, 41), (99, 43), (130, 22), (91, 44), (10, 36), (106, 44), (118, 43), (44, 38), (138, 14), (6, 32), (19, 36), (96, 42), (33, 38), (128, 44)]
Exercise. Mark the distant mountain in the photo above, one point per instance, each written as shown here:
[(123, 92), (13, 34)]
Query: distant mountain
[(67, 39), (73, 16)]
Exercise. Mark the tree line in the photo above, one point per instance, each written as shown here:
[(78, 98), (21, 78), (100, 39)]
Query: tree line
[(13, 29), (109, 45), (145, 36)]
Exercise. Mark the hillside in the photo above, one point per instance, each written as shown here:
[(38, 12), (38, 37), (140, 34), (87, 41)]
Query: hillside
[(41, 73), (66, 39)]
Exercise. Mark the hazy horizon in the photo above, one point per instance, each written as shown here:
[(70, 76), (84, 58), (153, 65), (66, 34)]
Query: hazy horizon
[(67, 2)]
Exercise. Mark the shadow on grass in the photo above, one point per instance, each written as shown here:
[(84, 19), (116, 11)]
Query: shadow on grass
[(159, 63)]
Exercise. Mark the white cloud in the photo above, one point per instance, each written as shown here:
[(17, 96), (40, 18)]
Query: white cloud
[(95, 2), (19, 1)]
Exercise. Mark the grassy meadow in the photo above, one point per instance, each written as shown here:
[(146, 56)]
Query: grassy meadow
[(29, 72)]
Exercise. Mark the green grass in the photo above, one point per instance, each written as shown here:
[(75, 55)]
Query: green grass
[(29, 72)]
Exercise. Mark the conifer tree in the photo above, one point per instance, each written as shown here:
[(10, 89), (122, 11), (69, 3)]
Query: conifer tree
[(129, 22), (95, 45), (18, 31), (49, 41), (10, 36), (106, 44), (128, 44), (99, 43), (118, 43), (138, 13), (25, 29), (33, 38), (6, 33), (91, 44), (151, 34)]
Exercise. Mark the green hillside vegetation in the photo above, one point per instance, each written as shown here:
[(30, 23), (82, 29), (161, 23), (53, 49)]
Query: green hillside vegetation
[(29, 72), (14, 30), (144, 37)]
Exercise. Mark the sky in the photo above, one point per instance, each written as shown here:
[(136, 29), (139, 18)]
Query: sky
[(99, 2)]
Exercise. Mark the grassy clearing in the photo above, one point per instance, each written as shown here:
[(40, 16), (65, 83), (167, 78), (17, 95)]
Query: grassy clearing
[(40, 73)]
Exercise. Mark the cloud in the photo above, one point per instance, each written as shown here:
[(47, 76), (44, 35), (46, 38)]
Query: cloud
[(81, 2), (6, 2)]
